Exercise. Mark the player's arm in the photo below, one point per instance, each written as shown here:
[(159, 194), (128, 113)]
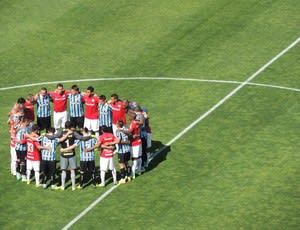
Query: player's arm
[(70, 148), (97, 145), (54, 136), (64, 137), (81, 137)]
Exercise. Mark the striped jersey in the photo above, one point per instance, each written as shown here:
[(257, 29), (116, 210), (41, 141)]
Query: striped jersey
[(76, 105), (123, 148), (105, 115), (43, 106), (20, 138), (48, 155), (87, 156)]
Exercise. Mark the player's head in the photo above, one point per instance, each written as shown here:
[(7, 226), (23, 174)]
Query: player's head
[(30, 97), (20, 104), (85, 131), (102, 98), (114, 98), (43, 91), (105, 129), (51, 130), (74, 89), (60, 88), (35, 129), (68, 125), (90, 91), (120, 124), (132, 116)]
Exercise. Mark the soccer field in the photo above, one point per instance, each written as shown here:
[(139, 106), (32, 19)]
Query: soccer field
[(221, 81)]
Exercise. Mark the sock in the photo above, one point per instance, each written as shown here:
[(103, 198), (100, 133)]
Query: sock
[(134, 166), (81, 178), (114, 175), (94, 178), (37, 177), (53, 179), (128, 170), (28, 175), (73, 178), (102, 176), (63, 178), (122, 171)]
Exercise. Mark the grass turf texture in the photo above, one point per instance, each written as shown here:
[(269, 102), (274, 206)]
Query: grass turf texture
[(238, 169)]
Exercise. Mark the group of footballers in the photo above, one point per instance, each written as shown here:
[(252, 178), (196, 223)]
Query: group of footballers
[(84, 120)]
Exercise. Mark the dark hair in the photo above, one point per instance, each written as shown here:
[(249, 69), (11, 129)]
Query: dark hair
[(120, 123), (85, 129), (102, 97), (35, 128), (75, 87), (21, 100), (115, 96), (44, 88), (59, 85), (90, 88), (105, 129), (68, 125), (50, 130)]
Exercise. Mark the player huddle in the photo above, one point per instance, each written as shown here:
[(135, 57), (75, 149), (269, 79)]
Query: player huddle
[(84, 121)]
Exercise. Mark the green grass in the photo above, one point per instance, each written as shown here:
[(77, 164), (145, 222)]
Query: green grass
[(237, 169)]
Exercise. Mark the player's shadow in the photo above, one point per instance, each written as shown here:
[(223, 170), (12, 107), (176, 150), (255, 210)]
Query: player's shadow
[(158, 154)]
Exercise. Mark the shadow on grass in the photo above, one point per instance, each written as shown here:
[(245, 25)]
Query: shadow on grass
[(158, 155)]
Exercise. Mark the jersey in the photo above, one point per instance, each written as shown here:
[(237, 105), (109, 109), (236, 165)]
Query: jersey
[(29, 110), (87, 156), (135, 129), (123, 148), (43, 106), (76, 105), (105, 115), (33, 152), (20, 139), (91, 107), (106, 138), (48, 155), (71, 140), (59, 101), (118, 112)]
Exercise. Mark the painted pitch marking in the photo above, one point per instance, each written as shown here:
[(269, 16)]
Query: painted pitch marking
[(185, 130)]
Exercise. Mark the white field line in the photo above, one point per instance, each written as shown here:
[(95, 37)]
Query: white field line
[(221, 102), (150, 78)]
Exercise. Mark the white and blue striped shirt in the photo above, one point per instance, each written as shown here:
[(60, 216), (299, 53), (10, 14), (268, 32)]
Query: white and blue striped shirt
[(48, 155), (76, 105), (87, 156), (20, 136), (105, 115), (43, 106), (123, 148)]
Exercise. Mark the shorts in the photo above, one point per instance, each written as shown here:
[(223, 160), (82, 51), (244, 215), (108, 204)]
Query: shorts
[(107, 163), (21, 155), (67, 162), (48, 167), (136, 151), (87, 166), (124, 157), (60, 119), (44, 122), (35, 165), (91, 124), (77, 122)]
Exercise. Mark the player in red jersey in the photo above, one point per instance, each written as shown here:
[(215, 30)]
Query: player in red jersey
[(118, 111), (29, 107), (60, 100), (107, 142), (91, 115), (136, 144), (33, 154)]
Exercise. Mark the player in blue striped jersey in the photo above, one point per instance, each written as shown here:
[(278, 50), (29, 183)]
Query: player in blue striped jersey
[(105, 113), (43, 109), (48, 163), (87, 159), (123, 148), (76, 107), (21, 148)]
